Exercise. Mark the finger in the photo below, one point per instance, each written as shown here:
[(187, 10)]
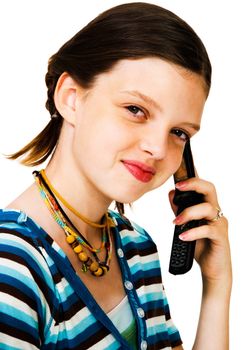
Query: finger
[(197, 212), (171, 195), (218, 233), (197, 233), (200, 186)]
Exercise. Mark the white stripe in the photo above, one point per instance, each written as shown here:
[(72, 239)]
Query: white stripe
[(126, 233), (10, 300), (32, 251), (156, 321), (143, 259), (102, 344), (14, 342), (18, 268), (152, 288), (58, 249), (69, 325), (170, 325), (62, 285), (47, 259), (23, 270)]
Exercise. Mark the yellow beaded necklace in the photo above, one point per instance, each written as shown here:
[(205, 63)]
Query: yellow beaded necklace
[(73, 236)]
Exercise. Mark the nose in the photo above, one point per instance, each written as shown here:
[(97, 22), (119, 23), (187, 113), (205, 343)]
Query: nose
[(155, 143)]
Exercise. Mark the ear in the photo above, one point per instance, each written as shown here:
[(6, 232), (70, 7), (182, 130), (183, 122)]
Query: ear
[(65, 97)]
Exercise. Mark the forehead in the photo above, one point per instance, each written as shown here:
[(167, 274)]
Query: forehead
[(156, 78), (172, 89), (152, 70)]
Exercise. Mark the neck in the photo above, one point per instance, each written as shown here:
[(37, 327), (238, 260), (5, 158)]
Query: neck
[(65, 176), (89, 203)]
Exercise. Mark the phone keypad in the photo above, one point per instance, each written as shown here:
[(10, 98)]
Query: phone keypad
[(181, 251)]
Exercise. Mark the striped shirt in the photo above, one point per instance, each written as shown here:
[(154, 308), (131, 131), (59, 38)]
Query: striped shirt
[(45, 305)]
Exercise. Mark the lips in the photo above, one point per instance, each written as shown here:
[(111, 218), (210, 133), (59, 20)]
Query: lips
[(140, 171)]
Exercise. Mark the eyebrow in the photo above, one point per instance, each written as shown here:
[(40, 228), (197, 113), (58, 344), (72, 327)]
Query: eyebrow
[(153, 103), (143, 97), (192, 125)]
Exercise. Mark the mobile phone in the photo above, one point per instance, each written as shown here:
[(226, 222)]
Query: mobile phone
[(182, 253)]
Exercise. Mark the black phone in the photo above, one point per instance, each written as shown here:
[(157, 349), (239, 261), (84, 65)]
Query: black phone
[(182, 253)]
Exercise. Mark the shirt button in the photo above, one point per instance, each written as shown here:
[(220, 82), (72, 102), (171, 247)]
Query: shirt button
[(120, 253), (128, 285), (140, 312), (143, 345)]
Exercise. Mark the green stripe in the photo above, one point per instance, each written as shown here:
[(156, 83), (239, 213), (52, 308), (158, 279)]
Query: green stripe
[(130, 334)]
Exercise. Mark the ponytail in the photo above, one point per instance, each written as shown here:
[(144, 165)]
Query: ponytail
[(41, 147)]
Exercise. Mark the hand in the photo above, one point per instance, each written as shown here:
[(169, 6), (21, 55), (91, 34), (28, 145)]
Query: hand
[(212, 247)]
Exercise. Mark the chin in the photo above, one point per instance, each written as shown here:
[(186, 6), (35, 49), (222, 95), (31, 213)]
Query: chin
[(129, 197), (126, 192)]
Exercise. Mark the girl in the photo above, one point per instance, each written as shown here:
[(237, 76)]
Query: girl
[(125, 94)]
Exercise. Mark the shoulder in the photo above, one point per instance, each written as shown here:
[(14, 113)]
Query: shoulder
[(21, 253), (25, 272), (26, 286), (16, 238)]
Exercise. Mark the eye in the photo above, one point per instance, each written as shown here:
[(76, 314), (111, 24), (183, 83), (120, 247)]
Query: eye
[(136, 111), (181, 134)]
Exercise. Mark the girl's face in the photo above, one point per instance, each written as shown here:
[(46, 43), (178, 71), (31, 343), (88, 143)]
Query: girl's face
[(132, 125)]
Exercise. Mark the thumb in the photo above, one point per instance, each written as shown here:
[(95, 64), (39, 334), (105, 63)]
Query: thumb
[(171, 195)]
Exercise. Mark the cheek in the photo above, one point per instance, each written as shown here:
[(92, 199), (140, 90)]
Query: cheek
[(101, 140), (171, 163), (175, 163)]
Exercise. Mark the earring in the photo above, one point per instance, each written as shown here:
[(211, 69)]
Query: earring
[(55, 115)]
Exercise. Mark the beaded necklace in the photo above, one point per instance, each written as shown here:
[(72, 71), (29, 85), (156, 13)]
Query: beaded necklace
[(73, 210), (76, 240)]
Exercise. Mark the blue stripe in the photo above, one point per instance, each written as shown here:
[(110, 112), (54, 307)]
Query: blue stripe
[(135, 240), (158, 329), (18, 314), (22, 251), (17, 284), (14, 226), (19, 325), (114, 346), (86, 328), (7, 272), (151, 297), (130, 244), (66, 296), (146, 274), (151, 265), (155, 305), (8, 347)]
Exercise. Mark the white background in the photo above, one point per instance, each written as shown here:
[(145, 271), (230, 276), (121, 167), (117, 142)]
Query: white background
[(31, 31)]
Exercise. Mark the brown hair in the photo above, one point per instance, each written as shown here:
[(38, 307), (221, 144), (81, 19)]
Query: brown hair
[(128, 31)]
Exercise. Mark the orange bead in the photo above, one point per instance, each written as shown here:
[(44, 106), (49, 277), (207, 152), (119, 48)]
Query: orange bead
[(70, 239), (78, 249), (94, 266), (83, 256), (99, 272)]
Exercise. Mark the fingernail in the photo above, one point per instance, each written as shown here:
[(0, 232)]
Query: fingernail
[(181, 184), (178, 219), (183, 236)]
